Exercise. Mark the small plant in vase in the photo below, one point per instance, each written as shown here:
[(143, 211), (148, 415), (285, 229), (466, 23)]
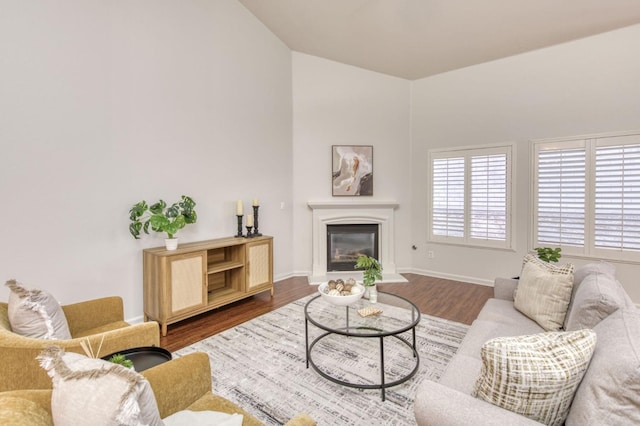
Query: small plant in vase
[(122, 360), (162, 218), (549, 254), (372, 271)]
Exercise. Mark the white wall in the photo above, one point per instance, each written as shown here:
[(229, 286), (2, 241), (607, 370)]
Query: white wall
[(587, 86), (105, 103), (337, 104)]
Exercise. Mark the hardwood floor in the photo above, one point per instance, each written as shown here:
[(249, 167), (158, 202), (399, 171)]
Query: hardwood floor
[(452, 300)]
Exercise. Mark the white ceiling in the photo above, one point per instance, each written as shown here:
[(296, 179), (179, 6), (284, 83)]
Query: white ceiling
[(417, 38)]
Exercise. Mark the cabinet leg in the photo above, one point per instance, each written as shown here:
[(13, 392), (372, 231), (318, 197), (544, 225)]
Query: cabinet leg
[(272, 289), (164, 329)]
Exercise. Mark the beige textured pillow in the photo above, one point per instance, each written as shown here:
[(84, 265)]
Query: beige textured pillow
[(544, 292), (35, 313), (91, 391), (537, 375)]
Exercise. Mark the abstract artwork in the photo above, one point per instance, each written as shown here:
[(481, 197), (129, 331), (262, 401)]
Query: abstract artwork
[(352, 170)]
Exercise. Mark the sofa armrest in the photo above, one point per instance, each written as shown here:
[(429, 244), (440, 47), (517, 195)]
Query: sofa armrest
[(442, 406), (180, 382), (504, 288), (93, 313), (19, 368)]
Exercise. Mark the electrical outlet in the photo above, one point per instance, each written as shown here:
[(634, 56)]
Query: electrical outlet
[(430, 254)]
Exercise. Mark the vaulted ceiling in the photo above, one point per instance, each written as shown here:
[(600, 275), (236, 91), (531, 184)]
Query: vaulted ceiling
[(418, 38)]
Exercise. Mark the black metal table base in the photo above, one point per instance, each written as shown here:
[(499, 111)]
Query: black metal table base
[(383, 385)]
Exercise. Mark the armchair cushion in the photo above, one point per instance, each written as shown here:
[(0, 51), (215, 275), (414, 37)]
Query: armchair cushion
[(97, 392), (35, 313)]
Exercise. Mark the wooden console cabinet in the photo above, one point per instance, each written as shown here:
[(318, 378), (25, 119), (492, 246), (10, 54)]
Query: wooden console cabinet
[(200, 276)]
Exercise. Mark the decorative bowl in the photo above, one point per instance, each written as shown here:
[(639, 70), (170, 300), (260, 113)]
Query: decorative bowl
[(341, 300)]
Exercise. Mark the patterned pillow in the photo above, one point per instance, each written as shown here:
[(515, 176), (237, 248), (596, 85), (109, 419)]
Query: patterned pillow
[(544, 292), (91, 391), (35, 313), (536, 375)]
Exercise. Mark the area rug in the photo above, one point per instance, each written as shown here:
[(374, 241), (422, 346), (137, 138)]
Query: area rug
[(261, 366)]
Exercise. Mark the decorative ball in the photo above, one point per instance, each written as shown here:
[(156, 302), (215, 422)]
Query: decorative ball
[(355, 289), (350, 281), (339, 286), (332, 284), (334, 292)]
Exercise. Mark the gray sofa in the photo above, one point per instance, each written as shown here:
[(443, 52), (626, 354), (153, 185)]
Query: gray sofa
[(610, 390)]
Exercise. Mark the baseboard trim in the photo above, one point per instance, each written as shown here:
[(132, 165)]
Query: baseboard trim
[(453, 277)]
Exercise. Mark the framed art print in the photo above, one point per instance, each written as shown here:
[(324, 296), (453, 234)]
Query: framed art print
[(352, 173)]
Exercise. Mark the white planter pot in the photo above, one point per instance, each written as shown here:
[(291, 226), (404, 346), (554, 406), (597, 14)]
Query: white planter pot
[(171, 243), (371, 293)]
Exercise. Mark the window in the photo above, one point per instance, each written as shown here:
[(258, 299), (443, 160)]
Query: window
[(470, 196), (587, 196)]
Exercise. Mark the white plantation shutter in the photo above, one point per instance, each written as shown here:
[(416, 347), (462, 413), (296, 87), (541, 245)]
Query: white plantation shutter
[(470, 196), (617, 198), (448, 197), (561, 197), (489, 197), (587, 196)]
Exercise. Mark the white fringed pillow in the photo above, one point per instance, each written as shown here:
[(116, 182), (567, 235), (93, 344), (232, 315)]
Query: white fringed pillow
[(537, 375), (544, 292), (35, 313), (91, 391)]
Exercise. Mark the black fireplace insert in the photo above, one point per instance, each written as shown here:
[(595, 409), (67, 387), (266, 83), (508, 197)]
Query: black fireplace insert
[(345, 243)]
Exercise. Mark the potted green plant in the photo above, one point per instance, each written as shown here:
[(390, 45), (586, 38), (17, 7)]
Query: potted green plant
[(372, 271), (162, 218), (549, 254)]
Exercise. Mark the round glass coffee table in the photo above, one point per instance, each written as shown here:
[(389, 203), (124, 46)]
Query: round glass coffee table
[(398, 316)]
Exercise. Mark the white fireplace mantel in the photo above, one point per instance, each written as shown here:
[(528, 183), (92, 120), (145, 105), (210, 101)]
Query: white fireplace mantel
[(353, 212)]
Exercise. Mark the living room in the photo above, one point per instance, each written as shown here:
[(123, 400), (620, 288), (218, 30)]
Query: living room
[(104, 104)]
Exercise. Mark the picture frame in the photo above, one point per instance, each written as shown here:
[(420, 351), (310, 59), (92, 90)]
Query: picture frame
[(352, 170)]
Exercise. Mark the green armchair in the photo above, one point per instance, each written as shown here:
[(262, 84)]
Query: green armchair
[(92, 320), (181, 384)]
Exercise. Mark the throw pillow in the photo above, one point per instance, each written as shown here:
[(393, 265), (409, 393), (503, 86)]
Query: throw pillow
[(35, 313), (597, 297), (537, 375), (544, 292), (204, 418), (95, 392)]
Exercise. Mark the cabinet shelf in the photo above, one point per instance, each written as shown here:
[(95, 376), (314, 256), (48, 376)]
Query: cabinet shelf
[(205, 275), (223, 266)]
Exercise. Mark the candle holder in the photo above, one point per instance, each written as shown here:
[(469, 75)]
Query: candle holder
[(239, 235), (255, 222), (249, 231)]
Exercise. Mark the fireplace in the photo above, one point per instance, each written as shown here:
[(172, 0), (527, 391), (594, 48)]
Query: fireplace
[(346, 242), (350, 212)]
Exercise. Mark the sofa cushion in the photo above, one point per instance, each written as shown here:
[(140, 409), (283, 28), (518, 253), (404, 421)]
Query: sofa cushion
[(459, 371), (503, 312), (598, 296), (544, 292), (535, 375), (35, 313), (97, 392), (610, 391)]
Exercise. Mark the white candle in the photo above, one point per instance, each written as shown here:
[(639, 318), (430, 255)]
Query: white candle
[(239, 208), (250, 220), (255, 202)]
